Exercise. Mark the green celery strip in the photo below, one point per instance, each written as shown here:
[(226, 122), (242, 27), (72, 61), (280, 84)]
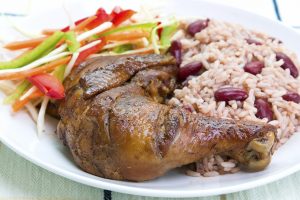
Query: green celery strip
[(34, 54), (17, 93), (73, 44)]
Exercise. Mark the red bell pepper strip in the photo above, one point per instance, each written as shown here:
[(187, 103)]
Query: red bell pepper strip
[(115, 11), (86, 53), (117, 16), (122, 16), (102, 17), (48, 85)]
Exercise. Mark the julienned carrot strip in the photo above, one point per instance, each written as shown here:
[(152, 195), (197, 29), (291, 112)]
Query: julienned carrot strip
[(80, 25), (84, 23), (18, 105), (17, 93), (49, 31), (45, 68), (24, 44), (145, 26), (61, 42), (128, 35)]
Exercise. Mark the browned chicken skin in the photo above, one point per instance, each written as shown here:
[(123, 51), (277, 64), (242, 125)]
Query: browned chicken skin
[(117, 126)]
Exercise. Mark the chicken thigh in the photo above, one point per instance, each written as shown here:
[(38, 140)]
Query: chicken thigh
[(115, 122)]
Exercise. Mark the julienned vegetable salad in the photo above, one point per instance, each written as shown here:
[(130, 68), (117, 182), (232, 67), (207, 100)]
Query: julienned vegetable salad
[(36, 75)]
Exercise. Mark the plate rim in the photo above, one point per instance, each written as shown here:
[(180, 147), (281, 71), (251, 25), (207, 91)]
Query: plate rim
[(151, 192), (164, 192)]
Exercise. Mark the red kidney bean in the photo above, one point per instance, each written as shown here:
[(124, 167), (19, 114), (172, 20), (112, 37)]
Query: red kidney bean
[(264, 109), (175, 50), (292, 96), (189, 69), (287, 64), (254, 67), (197, 26), (230, 93), (252, 41)]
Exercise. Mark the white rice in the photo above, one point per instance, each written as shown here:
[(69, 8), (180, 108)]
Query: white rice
[(223, 51)]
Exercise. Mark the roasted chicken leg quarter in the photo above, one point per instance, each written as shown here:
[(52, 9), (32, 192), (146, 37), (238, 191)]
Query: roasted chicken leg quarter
[(117, 126)]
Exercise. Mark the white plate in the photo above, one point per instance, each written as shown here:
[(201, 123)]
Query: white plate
[(19, 133)]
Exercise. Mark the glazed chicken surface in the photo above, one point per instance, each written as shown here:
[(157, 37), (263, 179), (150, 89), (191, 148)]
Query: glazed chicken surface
[(116, 124)]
